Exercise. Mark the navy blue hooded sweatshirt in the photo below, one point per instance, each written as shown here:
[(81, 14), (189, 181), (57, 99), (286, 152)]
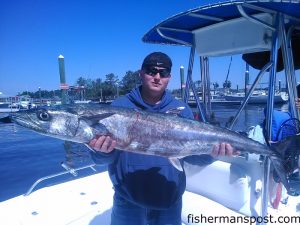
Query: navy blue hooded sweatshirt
[(148, 181)]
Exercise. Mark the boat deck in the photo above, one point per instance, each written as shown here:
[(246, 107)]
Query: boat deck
[(88, 201)]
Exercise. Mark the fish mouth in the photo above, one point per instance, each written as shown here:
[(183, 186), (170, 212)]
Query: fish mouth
[(25, 120)]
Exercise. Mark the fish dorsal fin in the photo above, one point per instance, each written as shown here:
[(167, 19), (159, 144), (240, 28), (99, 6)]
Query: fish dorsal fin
[(175, 111), (176, 163)]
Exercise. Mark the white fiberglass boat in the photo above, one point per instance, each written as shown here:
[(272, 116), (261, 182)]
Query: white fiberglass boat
[(88, 200), (6, 105), (7, 108), (225, 191), (260, 97)]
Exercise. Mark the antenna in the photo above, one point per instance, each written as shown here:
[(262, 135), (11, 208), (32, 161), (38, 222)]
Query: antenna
[(228, 70)]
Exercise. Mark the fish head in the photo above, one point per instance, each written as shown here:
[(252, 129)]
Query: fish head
[(58, 122)]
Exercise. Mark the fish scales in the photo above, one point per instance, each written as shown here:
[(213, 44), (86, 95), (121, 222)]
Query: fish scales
[(171, 135)]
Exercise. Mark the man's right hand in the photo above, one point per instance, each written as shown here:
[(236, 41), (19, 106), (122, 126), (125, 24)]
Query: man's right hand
[(103, 144)]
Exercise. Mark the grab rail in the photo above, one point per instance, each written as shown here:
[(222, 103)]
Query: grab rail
[(68, 170)]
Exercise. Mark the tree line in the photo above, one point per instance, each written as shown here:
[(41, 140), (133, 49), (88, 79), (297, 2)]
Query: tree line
[(108, 88)]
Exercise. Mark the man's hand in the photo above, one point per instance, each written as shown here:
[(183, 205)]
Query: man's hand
[(223, 149), (103, 144)]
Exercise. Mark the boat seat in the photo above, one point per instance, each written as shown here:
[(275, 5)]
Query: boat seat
[(231, 184)]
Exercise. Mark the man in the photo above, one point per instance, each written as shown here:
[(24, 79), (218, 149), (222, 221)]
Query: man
[(148, 189)]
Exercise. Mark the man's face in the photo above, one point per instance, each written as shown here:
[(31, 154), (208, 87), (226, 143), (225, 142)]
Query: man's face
[(155, 79)]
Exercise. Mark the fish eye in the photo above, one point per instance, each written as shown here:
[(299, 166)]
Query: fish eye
[(43, 115)]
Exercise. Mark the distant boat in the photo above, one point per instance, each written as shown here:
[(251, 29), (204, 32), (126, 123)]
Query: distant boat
[(25, 102), (259, 97), (6, 104), (15, 103), (217, 99), (7, 108), (82, 101)]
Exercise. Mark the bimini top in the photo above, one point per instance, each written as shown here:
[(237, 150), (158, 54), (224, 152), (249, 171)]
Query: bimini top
[(227, 28)]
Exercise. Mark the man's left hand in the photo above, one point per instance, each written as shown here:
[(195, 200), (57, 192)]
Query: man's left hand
[(224, 149)]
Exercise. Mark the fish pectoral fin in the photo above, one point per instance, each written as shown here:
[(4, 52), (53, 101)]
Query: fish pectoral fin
[(176, 163), (278, 165), (100, 129), (95, 122)]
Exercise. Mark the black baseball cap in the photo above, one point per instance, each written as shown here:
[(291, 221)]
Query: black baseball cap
[(157, 59)]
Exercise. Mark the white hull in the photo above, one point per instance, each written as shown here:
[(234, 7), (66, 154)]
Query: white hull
[(257, 99), (88, 201), (8, 110)]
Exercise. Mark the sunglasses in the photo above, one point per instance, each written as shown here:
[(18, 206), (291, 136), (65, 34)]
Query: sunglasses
[(164, 73)]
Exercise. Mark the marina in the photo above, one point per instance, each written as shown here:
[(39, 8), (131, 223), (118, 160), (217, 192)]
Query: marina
[(49, 181)]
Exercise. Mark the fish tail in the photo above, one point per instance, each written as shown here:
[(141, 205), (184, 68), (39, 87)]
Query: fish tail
[(285, 157), (278, 164), (289, 144)]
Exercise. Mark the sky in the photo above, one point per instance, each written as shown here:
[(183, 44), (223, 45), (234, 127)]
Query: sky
[(95, 37)]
